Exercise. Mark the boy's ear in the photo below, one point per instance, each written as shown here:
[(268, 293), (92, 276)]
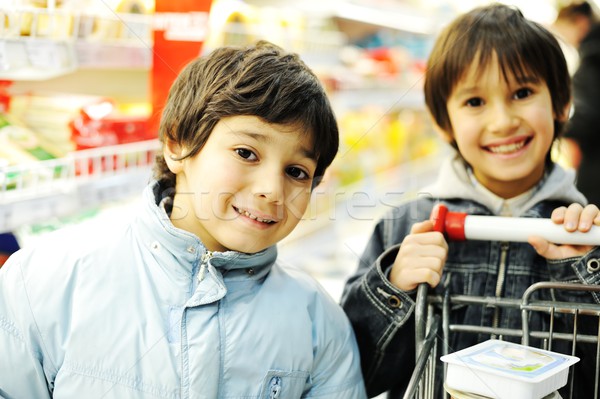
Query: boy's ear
[(171, 152), (564, 116), (445, 135)]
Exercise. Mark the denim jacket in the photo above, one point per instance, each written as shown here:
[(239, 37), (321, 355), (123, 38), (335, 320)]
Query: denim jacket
[(381, 314)]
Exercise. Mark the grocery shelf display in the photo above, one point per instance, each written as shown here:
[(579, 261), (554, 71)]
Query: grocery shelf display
[(40, 43), (33, 192), (58, 157)]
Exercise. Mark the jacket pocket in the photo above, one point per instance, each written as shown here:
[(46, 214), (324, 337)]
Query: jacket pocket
[(283, 384)]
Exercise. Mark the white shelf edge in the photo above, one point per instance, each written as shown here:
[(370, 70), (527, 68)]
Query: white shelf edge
[(46, 189)]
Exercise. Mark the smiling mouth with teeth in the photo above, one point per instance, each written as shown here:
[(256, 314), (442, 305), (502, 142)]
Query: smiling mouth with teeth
[(251, 216), (508, 148)]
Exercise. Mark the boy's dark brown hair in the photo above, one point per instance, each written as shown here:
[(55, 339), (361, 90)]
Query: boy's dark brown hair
[(260, 80), (523, 47)]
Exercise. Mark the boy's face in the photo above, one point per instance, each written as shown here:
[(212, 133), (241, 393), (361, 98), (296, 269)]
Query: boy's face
[(502, 128), (247, 188)]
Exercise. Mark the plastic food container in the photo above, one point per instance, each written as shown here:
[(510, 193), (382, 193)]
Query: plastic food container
[(504, 370), (454, 394)]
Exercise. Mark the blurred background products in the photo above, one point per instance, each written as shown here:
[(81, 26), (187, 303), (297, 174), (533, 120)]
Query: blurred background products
[(82, 83)]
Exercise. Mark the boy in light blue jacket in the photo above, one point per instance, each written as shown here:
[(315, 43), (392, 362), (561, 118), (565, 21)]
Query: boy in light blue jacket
[(189, 301)]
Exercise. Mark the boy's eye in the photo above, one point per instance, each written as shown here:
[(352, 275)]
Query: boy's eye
[(297, 173), (246, 154), (522, 93), (474, 102)]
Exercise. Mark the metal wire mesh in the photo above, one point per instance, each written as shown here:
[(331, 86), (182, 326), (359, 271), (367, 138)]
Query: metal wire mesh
[(431, 328)]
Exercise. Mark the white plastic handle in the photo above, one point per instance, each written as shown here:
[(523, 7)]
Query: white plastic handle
[(497, 228), (459, 226)]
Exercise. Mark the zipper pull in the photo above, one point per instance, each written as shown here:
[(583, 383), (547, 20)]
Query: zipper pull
[(204, 262), (275, 387)]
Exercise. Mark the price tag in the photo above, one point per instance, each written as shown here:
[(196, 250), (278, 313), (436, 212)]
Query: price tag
[(43, 54)]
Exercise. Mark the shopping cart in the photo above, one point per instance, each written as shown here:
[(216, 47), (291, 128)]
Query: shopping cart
[(433, 330)]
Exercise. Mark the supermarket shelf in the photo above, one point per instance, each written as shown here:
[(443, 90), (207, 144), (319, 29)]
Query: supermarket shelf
[(40, 44), (36, 59), (112, 56), (390, 97), (393, 16), (38, 191)]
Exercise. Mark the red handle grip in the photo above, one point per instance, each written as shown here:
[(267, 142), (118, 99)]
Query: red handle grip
[(438, 217), (451, 224)]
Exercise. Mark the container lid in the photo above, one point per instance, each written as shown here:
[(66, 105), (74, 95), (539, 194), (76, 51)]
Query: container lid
[(511, 360)]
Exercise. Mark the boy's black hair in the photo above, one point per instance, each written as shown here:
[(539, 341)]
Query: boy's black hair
[(523, 47), (260, 80)]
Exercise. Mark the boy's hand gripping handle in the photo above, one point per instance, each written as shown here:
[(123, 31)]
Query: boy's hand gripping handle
[(459, 226)]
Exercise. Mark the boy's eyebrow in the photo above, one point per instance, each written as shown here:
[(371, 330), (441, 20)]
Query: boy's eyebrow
[(520, 80), (266, 139)]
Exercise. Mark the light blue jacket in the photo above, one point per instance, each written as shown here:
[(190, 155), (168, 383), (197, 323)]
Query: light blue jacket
[(149, 313)]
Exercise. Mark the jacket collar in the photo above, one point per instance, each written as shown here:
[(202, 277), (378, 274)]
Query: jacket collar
[(183, 249), (454, 182)]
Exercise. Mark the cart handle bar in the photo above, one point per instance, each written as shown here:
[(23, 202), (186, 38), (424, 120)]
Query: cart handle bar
[(458, 226)]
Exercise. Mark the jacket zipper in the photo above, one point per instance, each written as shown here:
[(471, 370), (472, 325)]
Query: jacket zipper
[(203, 264), (500, 282), (274, 387)]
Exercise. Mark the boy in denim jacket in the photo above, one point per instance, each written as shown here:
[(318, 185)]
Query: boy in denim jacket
[(498, 89)]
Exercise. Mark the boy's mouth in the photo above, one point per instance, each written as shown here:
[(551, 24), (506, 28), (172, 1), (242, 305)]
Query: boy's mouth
[(508, 148), (253, 217)]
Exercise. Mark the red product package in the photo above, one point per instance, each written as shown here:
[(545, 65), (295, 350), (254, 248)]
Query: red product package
[(4, 95), (101, 125)]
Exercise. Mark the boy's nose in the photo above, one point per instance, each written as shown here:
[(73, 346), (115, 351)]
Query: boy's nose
[(502, 119), (270, 188)]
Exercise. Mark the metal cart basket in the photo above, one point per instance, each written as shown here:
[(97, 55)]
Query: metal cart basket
[(433, 330)]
